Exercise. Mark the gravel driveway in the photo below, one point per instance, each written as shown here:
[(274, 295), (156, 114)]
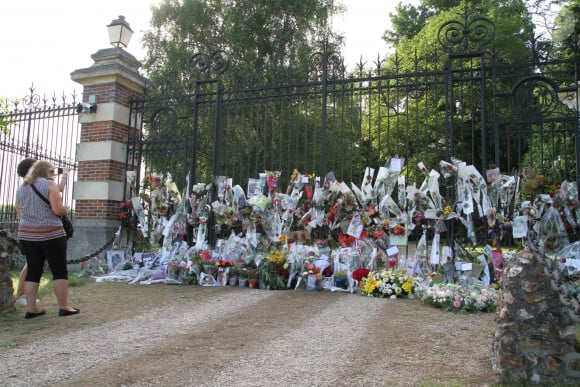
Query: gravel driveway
[(246, 337)]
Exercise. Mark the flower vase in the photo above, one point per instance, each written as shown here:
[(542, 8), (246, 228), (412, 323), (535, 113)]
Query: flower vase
[(222, 276), (311, 282), (340, 283), (242, 282), (252, 283), (232, 281)]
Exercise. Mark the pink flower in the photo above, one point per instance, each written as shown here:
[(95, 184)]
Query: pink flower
[(457, 304)]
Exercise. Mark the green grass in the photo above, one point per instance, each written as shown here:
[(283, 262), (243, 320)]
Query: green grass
[(46, 287)]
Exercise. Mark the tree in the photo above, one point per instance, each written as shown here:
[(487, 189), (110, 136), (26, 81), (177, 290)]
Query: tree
[(421, 53), (408, 20), (263, 39), (262, 42), (567, 27)]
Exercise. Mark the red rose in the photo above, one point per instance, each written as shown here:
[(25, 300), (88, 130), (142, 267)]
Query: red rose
[(359, 274)]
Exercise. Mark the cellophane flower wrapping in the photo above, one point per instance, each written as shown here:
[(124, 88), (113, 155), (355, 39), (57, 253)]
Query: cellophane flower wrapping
[(447, 169), (552, 234)]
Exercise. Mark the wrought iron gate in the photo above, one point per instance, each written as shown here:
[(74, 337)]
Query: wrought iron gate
[(469, 108)]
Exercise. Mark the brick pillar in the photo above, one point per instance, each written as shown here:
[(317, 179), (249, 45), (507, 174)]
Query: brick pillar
[(109, 83)]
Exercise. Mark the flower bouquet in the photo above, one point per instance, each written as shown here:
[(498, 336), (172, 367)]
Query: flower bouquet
[(398, 235), (177, 269), (223, 271), (391, 283), (274, 270), (312, 276), (459, 298)]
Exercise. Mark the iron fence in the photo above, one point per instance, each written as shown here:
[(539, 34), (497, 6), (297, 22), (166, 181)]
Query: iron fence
[(39, 128)]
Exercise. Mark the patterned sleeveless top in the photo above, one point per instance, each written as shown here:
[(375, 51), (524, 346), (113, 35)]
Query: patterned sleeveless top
[(37, 221)]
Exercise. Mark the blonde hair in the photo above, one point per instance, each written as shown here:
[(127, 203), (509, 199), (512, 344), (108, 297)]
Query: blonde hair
[(38, 169)]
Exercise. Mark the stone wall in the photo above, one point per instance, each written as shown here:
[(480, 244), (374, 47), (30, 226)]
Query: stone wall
[(6, 288), (535, 336)]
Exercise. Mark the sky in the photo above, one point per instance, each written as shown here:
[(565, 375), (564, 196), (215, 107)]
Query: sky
[(43, 41)]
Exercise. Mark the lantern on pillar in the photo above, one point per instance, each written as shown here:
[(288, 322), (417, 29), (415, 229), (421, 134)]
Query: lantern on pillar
[(120, 32)]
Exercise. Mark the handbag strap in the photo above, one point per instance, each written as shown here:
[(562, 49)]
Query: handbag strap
[(39, 194)]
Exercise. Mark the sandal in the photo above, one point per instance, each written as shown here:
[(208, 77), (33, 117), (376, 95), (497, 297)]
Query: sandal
[(29, 315), (64, 312)]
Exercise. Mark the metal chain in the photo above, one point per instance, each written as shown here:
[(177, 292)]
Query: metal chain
[(11, 239), (89, 256)]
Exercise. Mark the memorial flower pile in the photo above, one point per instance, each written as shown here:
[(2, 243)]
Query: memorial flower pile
[(317, 219)]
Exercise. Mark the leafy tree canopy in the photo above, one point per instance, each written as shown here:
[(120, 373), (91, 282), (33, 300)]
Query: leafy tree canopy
[(263, 39), (408, 20)]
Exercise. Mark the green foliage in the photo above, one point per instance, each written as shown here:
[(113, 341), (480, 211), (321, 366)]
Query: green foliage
[(244, 44), (269, 274), (46, 289), (419, 52), (567, 28), (4, 117), (264, 40)]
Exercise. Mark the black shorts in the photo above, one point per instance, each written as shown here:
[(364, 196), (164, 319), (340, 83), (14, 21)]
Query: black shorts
[(52, 251)]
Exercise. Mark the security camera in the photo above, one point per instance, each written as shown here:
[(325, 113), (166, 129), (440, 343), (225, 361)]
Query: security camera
[(86, 107)]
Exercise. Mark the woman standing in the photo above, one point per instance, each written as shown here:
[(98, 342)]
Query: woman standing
[(42, 237)]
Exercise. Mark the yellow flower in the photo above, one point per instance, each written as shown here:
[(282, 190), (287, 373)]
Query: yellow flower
[(370, 284), (408, 286), (277, 257), (447, 210), (285, 265)]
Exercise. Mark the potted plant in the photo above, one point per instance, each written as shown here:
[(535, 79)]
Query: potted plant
[(340, 279), (233, 275), (242, 277), (252, 273), (312, 276), (252, 278), (271, 275)]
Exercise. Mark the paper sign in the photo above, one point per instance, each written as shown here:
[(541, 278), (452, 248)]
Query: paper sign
[(520, 226), (356, 227), (392, 250), (463, 266), (395, 165)]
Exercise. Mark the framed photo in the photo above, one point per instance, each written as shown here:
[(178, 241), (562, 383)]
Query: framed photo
[(254, 187), (223, 183), (148, 260), (492, 174), (115, 259)]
